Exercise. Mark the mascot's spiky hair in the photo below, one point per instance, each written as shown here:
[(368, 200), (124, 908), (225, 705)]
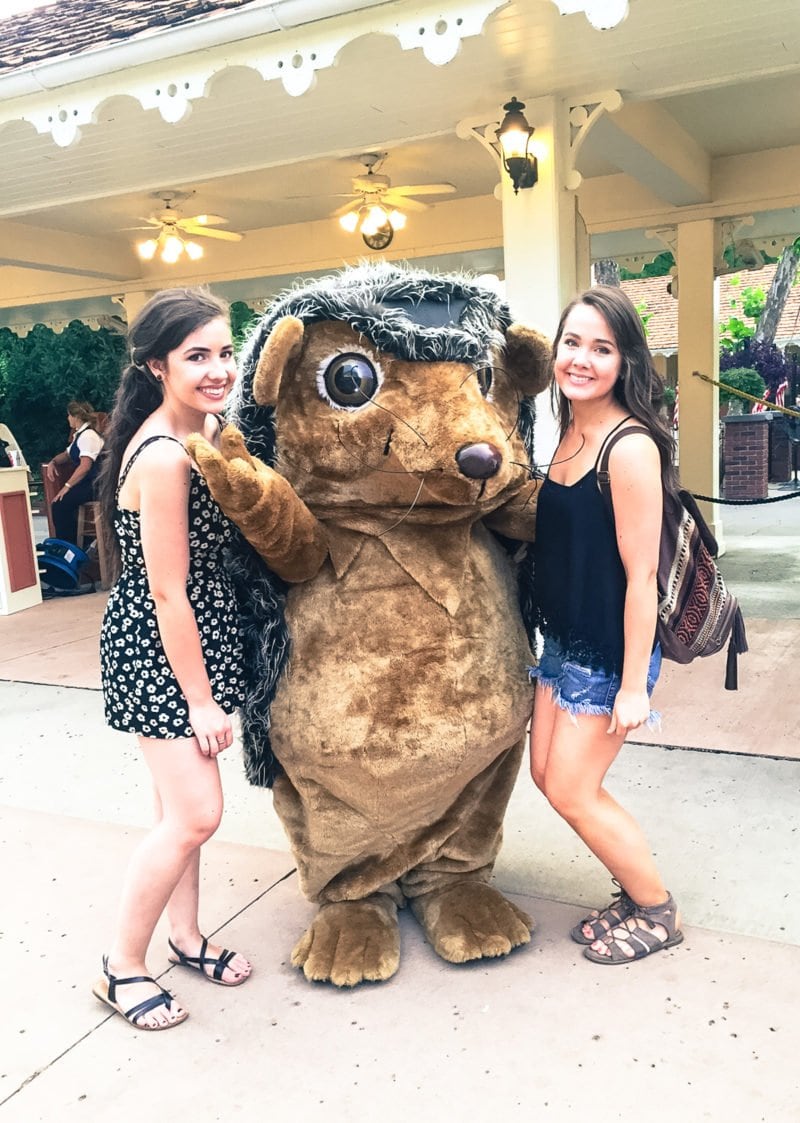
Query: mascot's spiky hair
[(416, 315)]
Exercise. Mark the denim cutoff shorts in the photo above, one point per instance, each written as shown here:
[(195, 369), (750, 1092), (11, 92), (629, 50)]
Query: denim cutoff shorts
[(584, 690)]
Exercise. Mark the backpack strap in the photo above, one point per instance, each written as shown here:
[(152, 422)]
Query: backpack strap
[(603, 457)]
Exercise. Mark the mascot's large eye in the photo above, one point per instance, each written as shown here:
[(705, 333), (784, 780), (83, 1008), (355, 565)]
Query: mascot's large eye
[(348, 381), (485, 377)]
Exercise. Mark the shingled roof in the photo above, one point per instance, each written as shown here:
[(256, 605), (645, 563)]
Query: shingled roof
[(73, 27), (662, 326)]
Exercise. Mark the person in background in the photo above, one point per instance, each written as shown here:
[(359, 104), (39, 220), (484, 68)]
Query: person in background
[(170, 651), (596, 600), (82, 452)]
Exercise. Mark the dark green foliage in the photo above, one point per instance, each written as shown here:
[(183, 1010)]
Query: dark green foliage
[(242, 319), (43, 371), (658, 267), (741, 378), (765, 358)]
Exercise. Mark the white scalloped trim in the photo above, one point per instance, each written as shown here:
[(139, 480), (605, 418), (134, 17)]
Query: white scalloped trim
[(290, 56)]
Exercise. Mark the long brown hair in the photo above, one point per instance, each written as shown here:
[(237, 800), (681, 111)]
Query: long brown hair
[(82, 410), (639, 389), (161, 326)]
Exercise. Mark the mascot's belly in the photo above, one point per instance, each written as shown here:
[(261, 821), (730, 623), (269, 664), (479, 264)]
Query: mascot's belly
[(391, 704)]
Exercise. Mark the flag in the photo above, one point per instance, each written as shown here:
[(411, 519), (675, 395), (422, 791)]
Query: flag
[(780, 393), (760, 407)]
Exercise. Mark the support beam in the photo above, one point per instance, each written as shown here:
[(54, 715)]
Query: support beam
[(543, 242), (698, 349), (754, 183), (53, 251), (645, 142)]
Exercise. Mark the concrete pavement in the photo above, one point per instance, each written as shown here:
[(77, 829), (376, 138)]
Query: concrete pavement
[(705, 1031)]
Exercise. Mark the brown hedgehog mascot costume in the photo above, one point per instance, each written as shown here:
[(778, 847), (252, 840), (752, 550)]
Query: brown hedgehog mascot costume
[(379, 474)]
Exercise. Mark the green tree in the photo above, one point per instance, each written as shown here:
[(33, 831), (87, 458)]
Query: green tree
[(775, 300), (734, 332)]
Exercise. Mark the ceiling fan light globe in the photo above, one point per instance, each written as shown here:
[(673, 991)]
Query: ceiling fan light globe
[(375, 218), (194, 251), (397, 220), (349, 221), (147, 249), (173, 246)]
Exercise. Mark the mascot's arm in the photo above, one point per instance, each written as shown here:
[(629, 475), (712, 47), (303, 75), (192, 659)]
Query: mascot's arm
[(517, 518), (265, 506)]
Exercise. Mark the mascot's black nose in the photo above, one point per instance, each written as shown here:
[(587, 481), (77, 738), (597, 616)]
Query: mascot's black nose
[(479, 462)]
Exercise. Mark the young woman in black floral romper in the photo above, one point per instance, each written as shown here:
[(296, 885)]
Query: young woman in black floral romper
[(169, 646)]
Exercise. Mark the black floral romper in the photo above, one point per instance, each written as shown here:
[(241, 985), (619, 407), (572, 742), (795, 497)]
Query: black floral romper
[(140, 691)]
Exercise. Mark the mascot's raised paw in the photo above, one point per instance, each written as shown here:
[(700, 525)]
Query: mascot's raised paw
[(232, 473), (263, 504), (351, 942), (471, 920)]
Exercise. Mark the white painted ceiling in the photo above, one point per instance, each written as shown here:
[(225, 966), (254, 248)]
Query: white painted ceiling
[(728, 71)]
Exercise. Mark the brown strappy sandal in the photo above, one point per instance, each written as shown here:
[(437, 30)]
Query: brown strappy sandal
[(601, 921), (640, 934)]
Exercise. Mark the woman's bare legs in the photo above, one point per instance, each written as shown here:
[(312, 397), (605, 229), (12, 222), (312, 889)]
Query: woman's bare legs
[(189, 796), (569, 762), (182, 910)]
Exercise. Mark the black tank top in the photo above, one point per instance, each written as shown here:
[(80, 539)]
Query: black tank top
[(579, 581)]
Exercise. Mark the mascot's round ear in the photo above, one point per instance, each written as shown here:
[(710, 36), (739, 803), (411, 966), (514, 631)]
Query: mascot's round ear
[(281, 348), (528, 359)]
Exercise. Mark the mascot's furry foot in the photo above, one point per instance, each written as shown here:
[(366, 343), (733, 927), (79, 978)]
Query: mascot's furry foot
[(471, 920), (351, 942)]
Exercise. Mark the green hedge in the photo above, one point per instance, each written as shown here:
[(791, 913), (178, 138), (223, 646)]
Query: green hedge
[(42, 371), (745, 379)]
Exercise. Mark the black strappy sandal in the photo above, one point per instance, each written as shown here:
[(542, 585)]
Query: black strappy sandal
[(201, 961), (106, 990)]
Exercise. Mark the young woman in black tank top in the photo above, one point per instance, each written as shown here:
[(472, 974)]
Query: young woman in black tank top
[(170, 652), (595, 587)]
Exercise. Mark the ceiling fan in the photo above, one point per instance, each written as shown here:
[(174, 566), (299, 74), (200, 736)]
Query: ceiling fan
[(374, 209), (171, 240)]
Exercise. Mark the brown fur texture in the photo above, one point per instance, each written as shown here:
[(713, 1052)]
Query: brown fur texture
[(399, 721)]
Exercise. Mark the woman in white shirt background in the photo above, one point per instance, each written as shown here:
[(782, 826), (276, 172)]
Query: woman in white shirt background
[(82, 452)]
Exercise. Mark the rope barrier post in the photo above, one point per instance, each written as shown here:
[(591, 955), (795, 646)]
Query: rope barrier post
[(792, 413)]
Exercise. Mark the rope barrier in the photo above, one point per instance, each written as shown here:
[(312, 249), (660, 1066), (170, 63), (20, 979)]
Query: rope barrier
[(772, 407), (749, 397), (745, 502)]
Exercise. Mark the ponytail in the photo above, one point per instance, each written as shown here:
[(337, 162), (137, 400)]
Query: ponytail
[(138, 395), (159, 328)]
